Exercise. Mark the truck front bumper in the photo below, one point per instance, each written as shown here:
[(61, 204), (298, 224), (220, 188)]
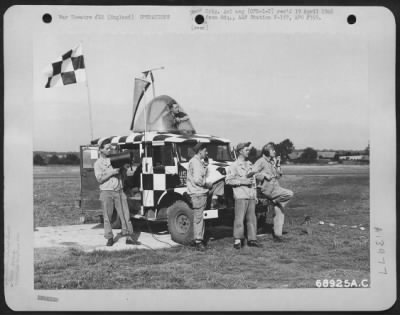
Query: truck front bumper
[(210, 214)]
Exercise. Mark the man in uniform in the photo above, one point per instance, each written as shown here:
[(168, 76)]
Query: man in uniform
[(176, 113), (176, 120), (112, 195), (240, 175), (199, 190), (268, 171)]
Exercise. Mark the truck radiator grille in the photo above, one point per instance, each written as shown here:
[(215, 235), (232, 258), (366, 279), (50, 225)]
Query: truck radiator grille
[(182, 176)]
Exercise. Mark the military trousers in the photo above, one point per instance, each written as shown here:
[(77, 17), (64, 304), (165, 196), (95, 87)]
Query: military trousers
[(199, 202), (109, 200), (245, 211)]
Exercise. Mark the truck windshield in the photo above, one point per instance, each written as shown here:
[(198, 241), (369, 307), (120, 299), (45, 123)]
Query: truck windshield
[(216, 151)]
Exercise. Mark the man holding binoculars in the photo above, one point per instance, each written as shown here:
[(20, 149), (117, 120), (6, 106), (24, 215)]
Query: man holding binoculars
[(268, 170), (112, 195)]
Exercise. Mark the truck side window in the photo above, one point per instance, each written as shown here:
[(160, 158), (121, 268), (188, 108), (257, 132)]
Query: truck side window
[(136, 156), (186, 151), (163, 155)]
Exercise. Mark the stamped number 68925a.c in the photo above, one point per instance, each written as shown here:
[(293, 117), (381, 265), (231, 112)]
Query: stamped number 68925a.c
[(339, 283)]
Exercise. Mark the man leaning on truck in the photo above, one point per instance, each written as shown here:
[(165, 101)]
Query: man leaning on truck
[(112, 195), (268, 172), (198, 191)]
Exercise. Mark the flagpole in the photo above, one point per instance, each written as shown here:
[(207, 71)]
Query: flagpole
[(90, 110), (88, 95), (145, 128), (145, 74), (133, 102)]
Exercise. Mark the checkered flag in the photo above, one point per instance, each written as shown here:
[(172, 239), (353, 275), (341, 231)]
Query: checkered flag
[(67, 69)]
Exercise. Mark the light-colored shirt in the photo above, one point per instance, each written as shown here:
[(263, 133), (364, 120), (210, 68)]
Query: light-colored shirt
[(196, 176), (266, 166), (102, 171), (236, 176)]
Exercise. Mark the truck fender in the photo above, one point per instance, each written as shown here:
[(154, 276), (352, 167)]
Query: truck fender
[(166, 200)]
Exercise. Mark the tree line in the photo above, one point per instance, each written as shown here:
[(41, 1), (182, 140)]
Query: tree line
[(68, 159), (283, 149)]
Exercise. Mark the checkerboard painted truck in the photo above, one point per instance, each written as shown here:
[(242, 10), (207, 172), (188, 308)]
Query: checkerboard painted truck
[(155, 180)]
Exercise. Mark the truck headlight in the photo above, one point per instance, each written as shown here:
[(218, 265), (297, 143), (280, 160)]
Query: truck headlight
[(221, 170)]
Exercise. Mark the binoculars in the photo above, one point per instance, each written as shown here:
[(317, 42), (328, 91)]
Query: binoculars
[(120, 159)]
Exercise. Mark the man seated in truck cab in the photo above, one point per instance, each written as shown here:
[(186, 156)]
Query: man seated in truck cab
[(175, 119), (178, 116)]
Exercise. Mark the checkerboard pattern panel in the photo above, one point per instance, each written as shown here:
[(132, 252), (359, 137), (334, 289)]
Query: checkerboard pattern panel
[(155, 185), (67, 69), (157, 139)]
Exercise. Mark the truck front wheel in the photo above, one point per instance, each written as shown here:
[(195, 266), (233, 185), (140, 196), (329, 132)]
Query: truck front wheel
[(180, 222)]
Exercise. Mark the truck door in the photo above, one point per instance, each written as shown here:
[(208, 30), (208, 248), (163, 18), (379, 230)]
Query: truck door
[(90, 191)]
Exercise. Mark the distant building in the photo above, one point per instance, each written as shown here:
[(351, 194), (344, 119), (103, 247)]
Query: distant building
[(326, 155), (296, 154), (365, 157), (354, 157)]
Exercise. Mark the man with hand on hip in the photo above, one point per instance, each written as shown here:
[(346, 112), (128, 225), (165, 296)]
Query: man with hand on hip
[(268, 171), (112, 195), (240, 175)]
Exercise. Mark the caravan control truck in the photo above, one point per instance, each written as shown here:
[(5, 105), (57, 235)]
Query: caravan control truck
[(154, 160)]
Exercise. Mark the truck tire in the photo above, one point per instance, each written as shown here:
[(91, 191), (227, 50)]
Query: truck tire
[(180, 222), (261, 221)]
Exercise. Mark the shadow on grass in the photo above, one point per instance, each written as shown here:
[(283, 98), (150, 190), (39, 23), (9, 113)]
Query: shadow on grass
[(137, 230), (214, 230)]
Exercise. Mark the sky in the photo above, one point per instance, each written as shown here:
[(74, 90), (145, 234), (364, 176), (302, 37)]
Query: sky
[(310, 88)]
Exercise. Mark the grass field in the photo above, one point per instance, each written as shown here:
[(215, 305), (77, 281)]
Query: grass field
[(333, 194), (55, 189)]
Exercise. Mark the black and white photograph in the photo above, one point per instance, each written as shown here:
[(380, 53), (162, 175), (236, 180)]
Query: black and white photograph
[(243, 156)]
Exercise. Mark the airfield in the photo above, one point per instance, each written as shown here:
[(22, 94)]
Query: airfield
[(336, 197)]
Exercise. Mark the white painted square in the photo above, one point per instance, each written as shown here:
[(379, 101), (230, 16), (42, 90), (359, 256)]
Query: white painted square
[(159, 182), (148, 198), (115, 139), (171, 170), (130, 138)]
